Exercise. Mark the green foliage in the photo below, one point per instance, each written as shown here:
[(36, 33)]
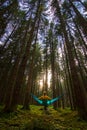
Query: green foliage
[(37, 119)]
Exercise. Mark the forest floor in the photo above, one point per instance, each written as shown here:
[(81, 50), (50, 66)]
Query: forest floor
[(37, 119)]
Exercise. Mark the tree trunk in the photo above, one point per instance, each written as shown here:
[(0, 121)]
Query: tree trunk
[(30, 76), (52, 52)]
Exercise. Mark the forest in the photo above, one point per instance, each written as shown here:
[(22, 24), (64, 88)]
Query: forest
[(43, 47)]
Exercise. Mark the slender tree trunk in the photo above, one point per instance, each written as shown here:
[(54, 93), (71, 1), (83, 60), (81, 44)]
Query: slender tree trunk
[(46, 88), (67, 79), (53, 71), (30, 77)]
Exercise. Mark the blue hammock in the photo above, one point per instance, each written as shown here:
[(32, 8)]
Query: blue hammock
[(46, 102)]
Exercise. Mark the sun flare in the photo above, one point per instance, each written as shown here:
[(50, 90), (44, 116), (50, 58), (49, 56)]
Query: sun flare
[(43, 79), (49, 78)]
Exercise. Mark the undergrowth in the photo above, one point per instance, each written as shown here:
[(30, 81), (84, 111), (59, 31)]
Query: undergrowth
[(37, 119)]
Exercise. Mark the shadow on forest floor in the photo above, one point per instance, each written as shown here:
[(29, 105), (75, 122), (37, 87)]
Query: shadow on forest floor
[(37, 119)]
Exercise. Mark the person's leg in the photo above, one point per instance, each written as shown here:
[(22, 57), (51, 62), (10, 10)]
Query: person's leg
[(45, 108)]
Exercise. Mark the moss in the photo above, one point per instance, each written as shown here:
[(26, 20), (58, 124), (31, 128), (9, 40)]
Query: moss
[(37, 119)]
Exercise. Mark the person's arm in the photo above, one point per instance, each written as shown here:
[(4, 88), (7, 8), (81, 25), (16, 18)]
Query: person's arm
[(40, 97), (48, 98)]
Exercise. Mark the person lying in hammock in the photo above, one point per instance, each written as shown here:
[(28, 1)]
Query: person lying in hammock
[(45, 98)]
